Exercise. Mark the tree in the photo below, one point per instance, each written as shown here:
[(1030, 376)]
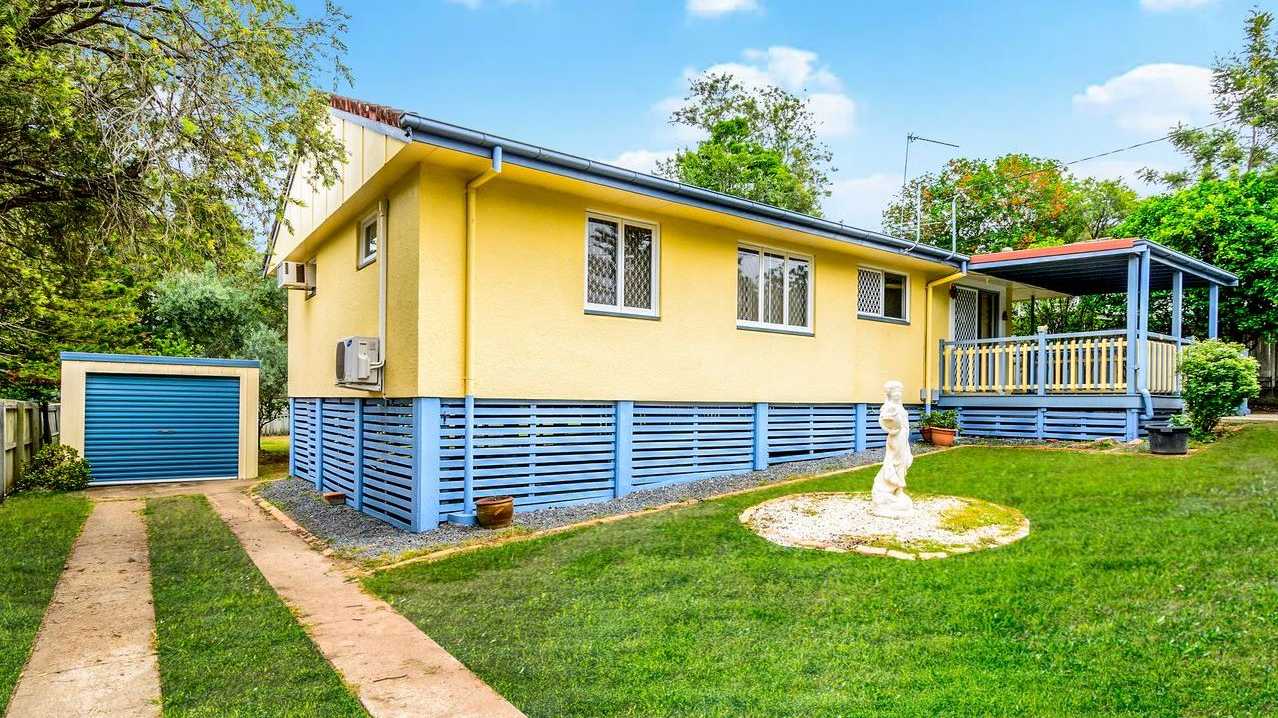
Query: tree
[(1233, 224), (770, 131), (1013, 201), (241, 315), (732, 163), (1245, 87), (1103, 205), (154, 124)]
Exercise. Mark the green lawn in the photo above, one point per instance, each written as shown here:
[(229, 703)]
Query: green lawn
[(228, 646), (36, 535), (1148, 586), (273, 450)]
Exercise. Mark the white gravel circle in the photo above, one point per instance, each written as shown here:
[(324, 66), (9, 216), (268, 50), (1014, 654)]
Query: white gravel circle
[(843, 522)]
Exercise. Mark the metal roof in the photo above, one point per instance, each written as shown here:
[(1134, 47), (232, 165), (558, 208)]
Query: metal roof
[(1097, 267), (443, 134)]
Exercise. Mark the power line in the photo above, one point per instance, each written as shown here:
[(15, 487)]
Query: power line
[(1061, 165)]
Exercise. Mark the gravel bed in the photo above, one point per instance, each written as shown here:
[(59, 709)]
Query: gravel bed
[(361, 536)]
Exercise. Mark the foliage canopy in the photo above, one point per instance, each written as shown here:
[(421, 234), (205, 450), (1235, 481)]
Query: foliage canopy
[(762, 145)]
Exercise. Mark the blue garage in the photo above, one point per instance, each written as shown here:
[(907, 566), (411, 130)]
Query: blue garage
[(146, 419)]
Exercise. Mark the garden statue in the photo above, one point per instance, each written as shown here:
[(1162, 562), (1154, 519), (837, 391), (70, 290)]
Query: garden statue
[(888, 495)]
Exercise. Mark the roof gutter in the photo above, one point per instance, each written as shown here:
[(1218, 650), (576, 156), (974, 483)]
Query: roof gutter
[(423, 129)]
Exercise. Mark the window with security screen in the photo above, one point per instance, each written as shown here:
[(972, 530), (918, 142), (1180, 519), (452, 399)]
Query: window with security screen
[(621, 266), (882, 295), (774, 290)]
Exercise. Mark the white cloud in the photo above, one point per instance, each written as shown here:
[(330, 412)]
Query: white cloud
[(1151, 98), (641, 160), (792, 69), (1170, 5), (860, 201), (719, 8)]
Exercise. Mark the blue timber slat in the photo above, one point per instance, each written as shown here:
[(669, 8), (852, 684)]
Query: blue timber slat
[(158, 427)]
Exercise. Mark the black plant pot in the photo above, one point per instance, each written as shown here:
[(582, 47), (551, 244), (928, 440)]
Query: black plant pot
[(1169, 440)]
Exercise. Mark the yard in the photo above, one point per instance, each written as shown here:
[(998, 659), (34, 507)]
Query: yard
[(1148, 586)]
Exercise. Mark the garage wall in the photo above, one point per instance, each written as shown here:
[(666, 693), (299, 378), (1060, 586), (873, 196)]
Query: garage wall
[(76, 365)]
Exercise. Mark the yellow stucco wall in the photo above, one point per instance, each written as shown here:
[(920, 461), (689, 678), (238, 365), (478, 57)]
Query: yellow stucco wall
[(533, 338), (346, 298)]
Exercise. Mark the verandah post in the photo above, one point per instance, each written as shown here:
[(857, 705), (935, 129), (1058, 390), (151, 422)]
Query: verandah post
[(1042, 362), (1177, 323), (357, 441), (1142, 327), (1213, 309), (426, 442), (760, 435), (319, 444), (1133, 287), (624, 425)]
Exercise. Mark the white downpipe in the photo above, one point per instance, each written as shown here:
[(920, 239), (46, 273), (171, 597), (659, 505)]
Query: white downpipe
[(472, 200), (383, 258), (927, 335)]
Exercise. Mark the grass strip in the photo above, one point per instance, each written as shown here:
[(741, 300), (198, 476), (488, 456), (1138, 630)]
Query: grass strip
[(37, 532), (228, 646)]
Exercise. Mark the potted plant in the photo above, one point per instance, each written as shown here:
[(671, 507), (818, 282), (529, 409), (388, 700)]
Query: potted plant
[(939, 427), (1170, 439), (495, 512)]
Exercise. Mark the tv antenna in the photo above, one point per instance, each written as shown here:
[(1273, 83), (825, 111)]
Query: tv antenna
[(911, 138)]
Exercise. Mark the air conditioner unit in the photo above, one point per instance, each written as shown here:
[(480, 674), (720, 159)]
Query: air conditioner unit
[(293, 275), (359, 361)]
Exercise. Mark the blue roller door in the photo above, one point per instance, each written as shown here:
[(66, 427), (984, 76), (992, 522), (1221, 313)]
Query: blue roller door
[(158, 427)]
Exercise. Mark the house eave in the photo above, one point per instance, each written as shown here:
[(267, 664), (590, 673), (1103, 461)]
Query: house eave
[(480, 144)]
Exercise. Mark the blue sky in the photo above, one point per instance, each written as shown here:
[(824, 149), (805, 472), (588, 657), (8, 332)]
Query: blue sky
[(1061, 80)]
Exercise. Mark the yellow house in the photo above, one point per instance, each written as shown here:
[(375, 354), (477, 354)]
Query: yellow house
[(525, 322)]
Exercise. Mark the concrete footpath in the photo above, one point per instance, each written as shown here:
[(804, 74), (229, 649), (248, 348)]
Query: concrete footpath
[(394, 668), (95, 655)]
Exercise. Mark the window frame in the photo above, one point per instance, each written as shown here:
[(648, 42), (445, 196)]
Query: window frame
[(363, 260), (760, 325), (654, 270), (905, 295)]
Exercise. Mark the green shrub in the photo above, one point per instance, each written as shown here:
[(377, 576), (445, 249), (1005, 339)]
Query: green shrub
[(940, 419), (55, 468), (1179, 421), (1217, 378)]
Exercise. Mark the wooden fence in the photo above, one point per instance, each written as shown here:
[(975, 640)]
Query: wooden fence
[(24, 428)]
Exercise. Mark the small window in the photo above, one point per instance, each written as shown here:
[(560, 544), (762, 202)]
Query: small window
[(774, 290), (368, 240), (882, 295), (621, 266)]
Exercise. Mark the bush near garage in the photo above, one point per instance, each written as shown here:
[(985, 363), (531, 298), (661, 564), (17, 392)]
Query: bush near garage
[(55, 468)]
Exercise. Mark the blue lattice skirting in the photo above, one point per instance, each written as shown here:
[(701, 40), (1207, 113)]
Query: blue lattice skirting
[(417, 462)]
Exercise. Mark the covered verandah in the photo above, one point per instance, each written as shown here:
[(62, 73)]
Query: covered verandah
[(1079, 385)]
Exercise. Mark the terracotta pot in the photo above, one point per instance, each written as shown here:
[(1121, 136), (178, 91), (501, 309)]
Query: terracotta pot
[(940, 437), (494, 512)]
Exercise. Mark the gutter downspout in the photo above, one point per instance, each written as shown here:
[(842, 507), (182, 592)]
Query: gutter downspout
[(383, 258), (468, 372), (927, 333), (467, 515)]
